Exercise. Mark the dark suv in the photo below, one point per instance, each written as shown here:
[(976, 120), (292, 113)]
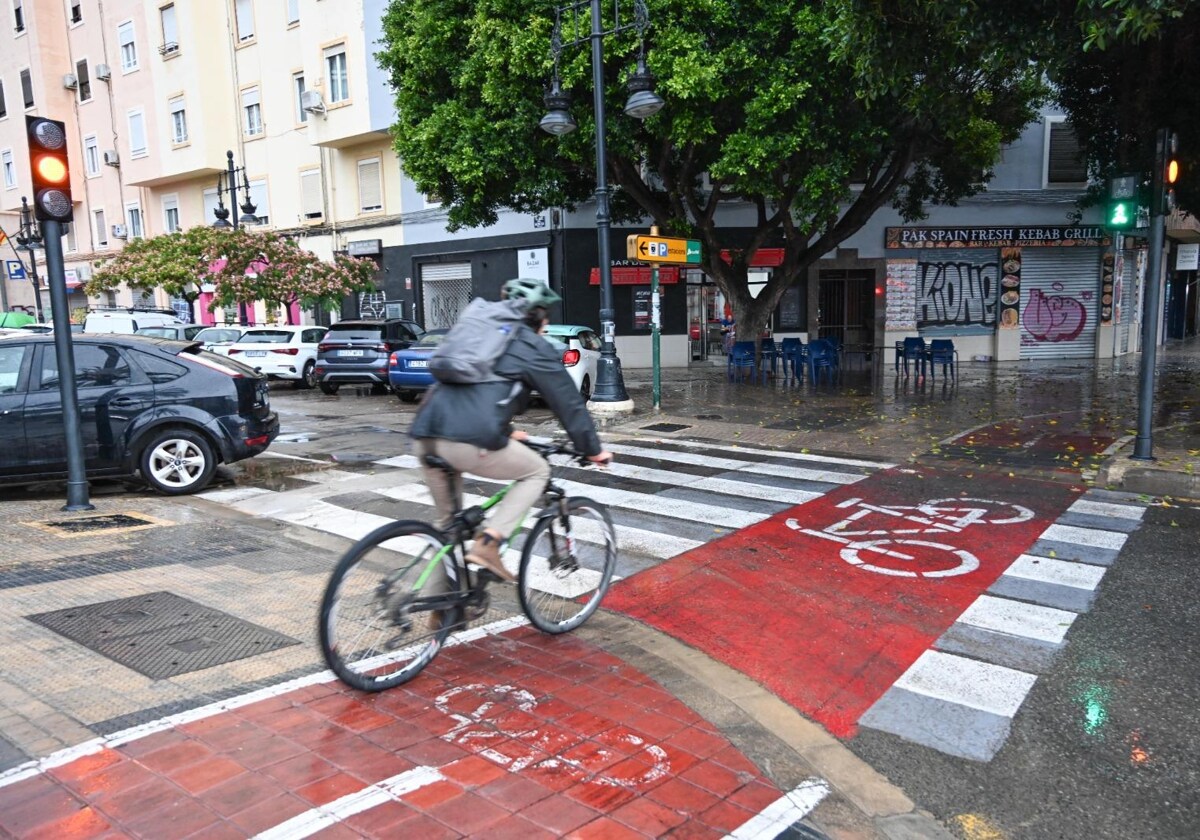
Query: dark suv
[(357, 352), (168, 410)]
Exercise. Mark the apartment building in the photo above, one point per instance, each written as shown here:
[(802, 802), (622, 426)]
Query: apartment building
[(154, 95)]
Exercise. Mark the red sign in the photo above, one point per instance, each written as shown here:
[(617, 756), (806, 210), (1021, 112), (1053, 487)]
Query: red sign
[(763, 257), (623, 275)]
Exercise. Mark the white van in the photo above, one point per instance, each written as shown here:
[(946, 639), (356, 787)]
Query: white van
[(127, 321)]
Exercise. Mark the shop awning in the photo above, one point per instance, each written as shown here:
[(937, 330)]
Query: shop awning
[(763, 257), (637, 275)]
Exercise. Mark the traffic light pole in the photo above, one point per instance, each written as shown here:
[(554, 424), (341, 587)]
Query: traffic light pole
[(77, 486), (1143, 446)]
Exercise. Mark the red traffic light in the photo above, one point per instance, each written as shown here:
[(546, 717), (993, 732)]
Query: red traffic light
[(50, 168)]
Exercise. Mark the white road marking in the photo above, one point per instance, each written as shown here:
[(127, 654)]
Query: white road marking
[(233, 494), (967, 682), (65, 756), (1090, 537), (403, 462), (1088, 506), (1017, 618), (664, 506), (782, 813), (1061, 572), (332, 813), (749, 490), (779, 453), (733, 465)]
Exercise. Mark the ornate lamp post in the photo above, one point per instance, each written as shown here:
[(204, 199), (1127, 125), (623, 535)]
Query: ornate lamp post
[(643, 102), (228, 180)]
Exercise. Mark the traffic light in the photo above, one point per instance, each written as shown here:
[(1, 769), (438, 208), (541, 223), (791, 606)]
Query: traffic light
[(51, 169), (1122, 214), (1171, 174)]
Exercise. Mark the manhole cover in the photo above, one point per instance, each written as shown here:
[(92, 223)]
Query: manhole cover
[(162, 635), (106, 522), (665, 427), (709, 417)]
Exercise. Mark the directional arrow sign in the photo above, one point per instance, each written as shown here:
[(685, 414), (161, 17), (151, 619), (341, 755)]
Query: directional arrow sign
[(662, 249)]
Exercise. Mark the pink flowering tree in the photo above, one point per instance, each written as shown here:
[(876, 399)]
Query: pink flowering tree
[(248, 265)]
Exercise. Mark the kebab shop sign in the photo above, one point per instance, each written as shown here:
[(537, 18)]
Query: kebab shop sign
[(995, 237)]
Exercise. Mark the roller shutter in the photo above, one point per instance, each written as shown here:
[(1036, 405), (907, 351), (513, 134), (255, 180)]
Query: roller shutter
[(445, 291), (1060, 291), (1126, 297)]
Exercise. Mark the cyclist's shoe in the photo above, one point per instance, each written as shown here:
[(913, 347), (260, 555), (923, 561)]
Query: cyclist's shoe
[(486, 552)]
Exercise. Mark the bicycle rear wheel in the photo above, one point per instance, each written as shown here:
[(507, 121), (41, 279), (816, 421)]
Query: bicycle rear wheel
[(389, 606), (567, 565)]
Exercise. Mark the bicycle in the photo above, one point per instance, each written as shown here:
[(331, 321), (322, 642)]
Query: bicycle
[(382, 630)]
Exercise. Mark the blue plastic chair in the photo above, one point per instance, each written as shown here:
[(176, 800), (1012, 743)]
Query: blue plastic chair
[(822, 356), (942, 352), (791, 351), (770, 353), (741, 359), (914, 350)]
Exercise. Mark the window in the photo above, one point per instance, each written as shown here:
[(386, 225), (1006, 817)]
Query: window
[(335, 69), (10, 169), (12, 357), (83, 80), (137, 133), (91, 155), (101, 228), (293, 12), (18, 17), (245, 19), (157, 368), (262, 204), (27, 88), (69, 238), (129, 57), (3, 105), (370, 189), (170, 208), (298, 86), (133, 220), (1064, 160), (311, 204), (76, 11), (179, 132), (253, 110), (96, 365), (170, 30)]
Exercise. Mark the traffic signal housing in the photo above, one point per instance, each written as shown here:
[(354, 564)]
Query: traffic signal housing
[(1170, 176), (1122, 214), (50, 169)]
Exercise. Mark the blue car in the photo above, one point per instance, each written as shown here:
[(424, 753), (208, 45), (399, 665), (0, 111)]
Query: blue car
[(408, 370)]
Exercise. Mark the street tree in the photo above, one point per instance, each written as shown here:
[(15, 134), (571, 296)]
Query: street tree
[(242, 265), (810, 115)]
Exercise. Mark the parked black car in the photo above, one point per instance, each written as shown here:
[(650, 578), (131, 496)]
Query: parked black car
[(358, 351), (167, 410)]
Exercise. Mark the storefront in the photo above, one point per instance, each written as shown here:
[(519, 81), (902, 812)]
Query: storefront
[(1003, 292)]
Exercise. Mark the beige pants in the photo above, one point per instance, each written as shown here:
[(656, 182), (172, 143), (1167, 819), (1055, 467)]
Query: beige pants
[(515, 462)]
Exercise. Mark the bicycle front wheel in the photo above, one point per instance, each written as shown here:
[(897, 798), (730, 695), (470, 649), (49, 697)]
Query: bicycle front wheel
[(567, 565), (389, 605)]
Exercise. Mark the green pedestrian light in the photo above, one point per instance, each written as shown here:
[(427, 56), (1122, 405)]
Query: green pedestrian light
[(1121, 215)]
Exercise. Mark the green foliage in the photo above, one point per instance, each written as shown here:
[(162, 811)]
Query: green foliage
[(783, 103), (1108, 22), (243, 265)]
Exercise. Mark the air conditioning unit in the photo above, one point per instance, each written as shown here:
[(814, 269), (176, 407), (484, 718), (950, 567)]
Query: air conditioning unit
[(169, 48), (119, 232), (312, 102), (70, 82), (112, 158), (103, 72)]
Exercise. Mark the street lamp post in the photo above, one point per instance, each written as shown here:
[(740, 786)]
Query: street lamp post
[(609, 390), (229, 181), (29, 238)]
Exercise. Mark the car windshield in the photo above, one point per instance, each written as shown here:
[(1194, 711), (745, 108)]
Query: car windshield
[(431, 339), (266, 337), (561, 332), (350, 332), (218, 335)]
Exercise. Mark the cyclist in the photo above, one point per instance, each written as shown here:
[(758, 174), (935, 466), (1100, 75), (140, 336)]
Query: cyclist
[(470, 427)]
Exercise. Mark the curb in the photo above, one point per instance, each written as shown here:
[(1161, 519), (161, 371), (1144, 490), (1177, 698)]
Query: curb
[(789, 745)]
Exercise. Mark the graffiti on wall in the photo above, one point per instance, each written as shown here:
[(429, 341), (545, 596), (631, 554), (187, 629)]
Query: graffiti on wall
[(957, 293), (1053, 317)]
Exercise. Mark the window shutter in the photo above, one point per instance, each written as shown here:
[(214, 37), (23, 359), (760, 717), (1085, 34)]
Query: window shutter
[(370, 188), (310, 194), (1066, 165)]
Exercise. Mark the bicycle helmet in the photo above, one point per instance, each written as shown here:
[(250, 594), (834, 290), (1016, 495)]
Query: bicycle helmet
[(530, 292)]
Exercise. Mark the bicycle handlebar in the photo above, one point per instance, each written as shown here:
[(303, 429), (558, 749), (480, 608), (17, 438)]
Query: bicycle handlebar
[(555, 448)]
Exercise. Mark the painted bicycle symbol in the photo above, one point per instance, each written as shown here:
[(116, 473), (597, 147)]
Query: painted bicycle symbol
[(495, 722), (888, 533)]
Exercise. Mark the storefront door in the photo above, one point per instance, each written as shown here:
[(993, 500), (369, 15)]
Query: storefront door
[(847, 306)]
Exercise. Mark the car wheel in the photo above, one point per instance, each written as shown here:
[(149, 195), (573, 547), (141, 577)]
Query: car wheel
[(308, 378), (585, 389), (329, 387), (407, 396), (177, 461)]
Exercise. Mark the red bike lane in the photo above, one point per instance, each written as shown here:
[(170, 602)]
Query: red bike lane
[(829, 603), (510, 735)]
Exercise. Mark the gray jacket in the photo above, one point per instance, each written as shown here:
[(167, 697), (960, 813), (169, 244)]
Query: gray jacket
[(481, 414)]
